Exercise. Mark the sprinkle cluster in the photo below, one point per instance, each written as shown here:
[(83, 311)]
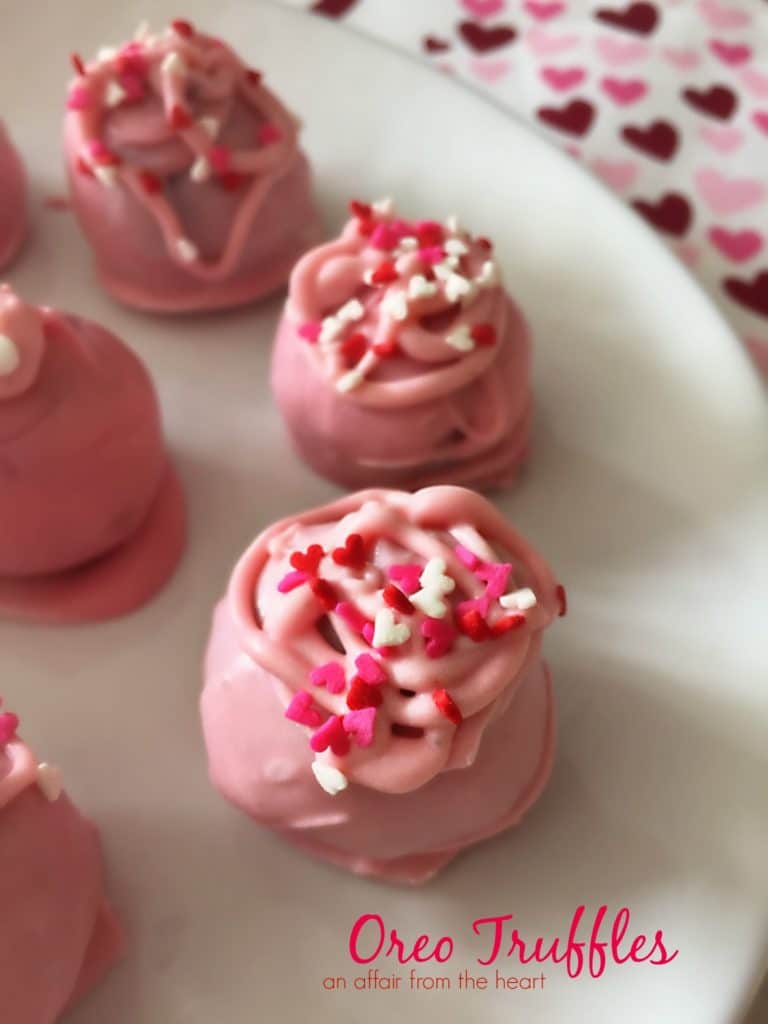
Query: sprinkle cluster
[(417, 610), (413, 268)]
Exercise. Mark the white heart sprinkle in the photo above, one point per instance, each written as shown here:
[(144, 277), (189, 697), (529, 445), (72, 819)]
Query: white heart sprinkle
[(384, 207), (210, 126), (460, 339), (420, 288), (49, 781), (350, 380), (173, 64), (114, 94), (455, 247), (520, 599), (187, 250), (10, 359), (200, 170), (106, 53), (350, 311), (395, 305), (142, 31), (408, 244), (442, 271), (434, 584), (457, 287), (331, 779), (106, 174), (452, 224), (330, 329), (387, 632), (489, 275)]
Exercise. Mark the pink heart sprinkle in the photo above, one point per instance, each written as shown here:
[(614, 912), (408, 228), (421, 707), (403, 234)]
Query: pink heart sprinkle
[(330, 675), (300, 710), (407, 576), (79, 98), (360, 724), (467, 557), (439, 635), (496, 577), (432, 254), (310, 331), (330, 734), (268, 133), (9, 723), (480, 604), (370, 670), (384, 237), (291, 580), (353, 617)]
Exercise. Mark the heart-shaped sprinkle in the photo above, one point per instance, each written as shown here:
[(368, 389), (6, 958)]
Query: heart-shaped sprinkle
[(370, 670), (268, 133), (183, 28), (467, 557), (429, 232), (483, 334), (489, 275), (352, 616), (351, 311), (395, 305), (354, 348), (325, 593), (330, 778), (472, 624), (353, 555), (150, 182), (384, 237), (387, 348), (406, 575), (520, 600), (291, 580), (496, 576), (187, 250), (420, 288), (331, 676), (49, 781), (439, 636), (434, 584), (253, 77), (330, 735), (360, 725), (309, 560), (364, 211), (446, 705), (301, 710), (481, 604), (507, 622), (178, 118), (9, 723), (396, 599), (310, 331), (458, 287), (460, 339), (385, 273), (387, 632), (562, 599), (363, 695), (431, 255)]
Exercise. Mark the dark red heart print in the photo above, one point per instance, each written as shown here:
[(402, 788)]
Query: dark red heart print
[(659, 139), (752, 295), (641, 18), (575, 118), (716, 101), (482, 38), (672, 213), (333, 8)]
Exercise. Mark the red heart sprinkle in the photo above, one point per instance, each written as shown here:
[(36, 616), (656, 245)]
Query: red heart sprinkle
[(363, 211), (353, 554), (429, 233), (331, 734), (178, 118), (150, 182), (485, 243), (396, 599), (253, 77), (354, 348), (447, 706), (267, 133), (562, 599), (9, 723), (483, 334), (473, 625), (506, 623), (385, 273), (232, 181), (325, 593), (309, 560), (387, 348), (363, 695), (84, 167), (183, 28), (77, 63), (220, 158)]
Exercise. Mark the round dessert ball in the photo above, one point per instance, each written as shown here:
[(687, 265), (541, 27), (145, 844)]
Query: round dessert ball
[(374, 687), (84, 472), (58, 934), (400, 359), (13, 200), (185, 174)]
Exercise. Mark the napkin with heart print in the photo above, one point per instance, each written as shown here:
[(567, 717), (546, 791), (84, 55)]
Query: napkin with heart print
[(666, 101)]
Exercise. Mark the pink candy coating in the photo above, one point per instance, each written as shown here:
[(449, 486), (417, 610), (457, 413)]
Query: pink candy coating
[(13, 200)]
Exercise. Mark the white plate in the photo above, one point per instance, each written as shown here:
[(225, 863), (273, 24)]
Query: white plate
[(646, 490)]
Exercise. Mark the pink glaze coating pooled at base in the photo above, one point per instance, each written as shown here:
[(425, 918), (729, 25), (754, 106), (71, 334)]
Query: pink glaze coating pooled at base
[(400, 359), (185, 174), (58, 934), (92, 516), (13, 200), (372, 732)]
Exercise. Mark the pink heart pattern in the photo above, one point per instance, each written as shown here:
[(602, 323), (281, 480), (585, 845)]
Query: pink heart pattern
[(666, 103)]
